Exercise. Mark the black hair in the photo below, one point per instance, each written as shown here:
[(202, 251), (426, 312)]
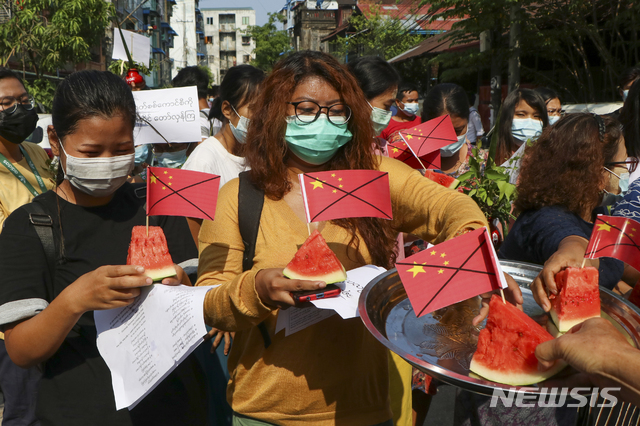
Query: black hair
[(7, 73), (90, 93), (213, 91), (405, 88), (239, 86), (192, 76), (546, 93), (505, 138), (630, 119), (628, 76), (445, 98), (374, 75)]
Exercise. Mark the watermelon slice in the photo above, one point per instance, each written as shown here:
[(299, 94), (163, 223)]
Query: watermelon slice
[(506, 347), (444, 180), (151, 252), (578, 297), (315, 261)]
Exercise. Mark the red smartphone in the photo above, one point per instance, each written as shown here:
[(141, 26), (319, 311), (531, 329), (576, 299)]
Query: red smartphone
[(331, 290)]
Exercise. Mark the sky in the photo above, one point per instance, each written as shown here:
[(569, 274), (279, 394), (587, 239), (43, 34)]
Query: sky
[(260, 6)]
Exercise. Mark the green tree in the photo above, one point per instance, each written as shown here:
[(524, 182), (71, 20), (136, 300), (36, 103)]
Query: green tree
[(271, 43), (377, 34), (45, 35)]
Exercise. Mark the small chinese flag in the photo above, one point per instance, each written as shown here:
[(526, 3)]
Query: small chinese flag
[(401, 152), (617, 237), (450, 272), (340, 194), (175, 192), (427, 138)]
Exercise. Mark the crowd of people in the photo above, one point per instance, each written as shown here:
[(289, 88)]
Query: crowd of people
[(259, 131)]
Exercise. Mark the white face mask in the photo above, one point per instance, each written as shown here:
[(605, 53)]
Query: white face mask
[(240, 132), (553, 119), (524, 129), (411, 108), (451, 149), (98, 176), (625, 93), (380, 119)]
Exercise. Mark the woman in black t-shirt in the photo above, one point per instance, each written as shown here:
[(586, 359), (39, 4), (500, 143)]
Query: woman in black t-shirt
[(48, 319)]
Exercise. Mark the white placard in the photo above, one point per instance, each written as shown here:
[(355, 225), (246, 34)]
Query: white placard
[(174, 113), (295, 319), (144, 342), (139, 46)]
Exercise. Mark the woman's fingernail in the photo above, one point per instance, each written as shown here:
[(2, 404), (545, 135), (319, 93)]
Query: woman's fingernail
[(149, 281), (139, 269), (321, 284)]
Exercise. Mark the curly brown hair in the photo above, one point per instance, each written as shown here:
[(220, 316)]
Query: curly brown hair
[(564, 167), (266, 151)]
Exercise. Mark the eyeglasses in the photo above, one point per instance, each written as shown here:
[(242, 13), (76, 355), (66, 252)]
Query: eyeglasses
[(309, 111), (553, 111), (9, 104), (631, 164)]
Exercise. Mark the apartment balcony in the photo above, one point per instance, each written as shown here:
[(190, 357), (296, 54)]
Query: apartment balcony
[(227, 28)]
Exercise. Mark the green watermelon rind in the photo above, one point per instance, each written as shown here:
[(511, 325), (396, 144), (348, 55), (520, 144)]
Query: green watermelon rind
[(513, 378), (158, 274), (161, 266), (330, 278)]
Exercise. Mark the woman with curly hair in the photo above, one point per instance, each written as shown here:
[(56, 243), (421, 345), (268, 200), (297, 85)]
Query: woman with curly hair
[(563, 178), (311, 116)]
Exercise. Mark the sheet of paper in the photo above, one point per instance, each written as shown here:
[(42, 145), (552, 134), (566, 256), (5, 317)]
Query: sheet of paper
[(346, 305), (143, 342), (139, 46), (295, 319), (167, 115)]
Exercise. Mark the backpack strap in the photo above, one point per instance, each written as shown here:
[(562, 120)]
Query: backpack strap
[(250, 202), (43, 225)]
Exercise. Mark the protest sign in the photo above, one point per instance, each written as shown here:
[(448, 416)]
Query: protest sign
[(139, 46), (167, 115)]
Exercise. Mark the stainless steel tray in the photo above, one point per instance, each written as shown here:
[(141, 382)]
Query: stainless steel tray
[(442, 343)]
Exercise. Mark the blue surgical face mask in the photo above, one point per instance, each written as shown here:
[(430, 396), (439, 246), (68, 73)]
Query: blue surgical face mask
[(623, 180), (451, 149), (380, 119), (411, 108), (316, 143), (625, 93), (143, 154), (240, 132), (553, 119), (173, 160), (524, 129)]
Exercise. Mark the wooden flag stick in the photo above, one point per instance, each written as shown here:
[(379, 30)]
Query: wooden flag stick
[(147, 226), (309, 228), (502, 294), (584, 259), (414, 154)]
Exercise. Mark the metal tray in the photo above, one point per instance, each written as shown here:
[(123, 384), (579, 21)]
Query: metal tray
[(442, 343)]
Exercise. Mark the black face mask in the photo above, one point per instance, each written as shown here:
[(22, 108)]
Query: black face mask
[(18, 126)]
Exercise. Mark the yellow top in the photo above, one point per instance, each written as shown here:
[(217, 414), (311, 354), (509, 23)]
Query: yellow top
[(13, 193), (333, 372)]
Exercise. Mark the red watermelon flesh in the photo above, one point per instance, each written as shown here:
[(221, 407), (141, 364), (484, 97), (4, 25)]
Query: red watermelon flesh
[(506, 347), (444, 180), (578, 297), (151, 252), (315, 261)]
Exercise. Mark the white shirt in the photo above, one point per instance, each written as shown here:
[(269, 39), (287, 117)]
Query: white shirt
[(212, 157)]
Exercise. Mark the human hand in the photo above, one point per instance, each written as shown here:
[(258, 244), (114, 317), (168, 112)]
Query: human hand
[(219, 334), (588, 347), (179, 278), (512, 293), (107, 287), (274, 289), (570, 254)]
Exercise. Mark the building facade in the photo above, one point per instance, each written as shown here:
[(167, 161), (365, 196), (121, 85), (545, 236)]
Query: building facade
[(226, 40), (188, 45)]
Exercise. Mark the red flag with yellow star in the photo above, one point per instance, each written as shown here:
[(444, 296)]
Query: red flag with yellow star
[(401, 152), (617, 237), (450, 272), (426, 139), (339, 194), (175, 192)]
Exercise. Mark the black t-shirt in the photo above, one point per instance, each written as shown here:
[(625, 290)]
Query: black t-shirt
[(76, 388)]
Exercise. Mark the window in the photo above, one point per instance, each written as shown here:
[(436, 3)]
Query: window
[(210, 21), (246, 41), (245, 20), (246, 59), (227, 19), (208, 40)]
